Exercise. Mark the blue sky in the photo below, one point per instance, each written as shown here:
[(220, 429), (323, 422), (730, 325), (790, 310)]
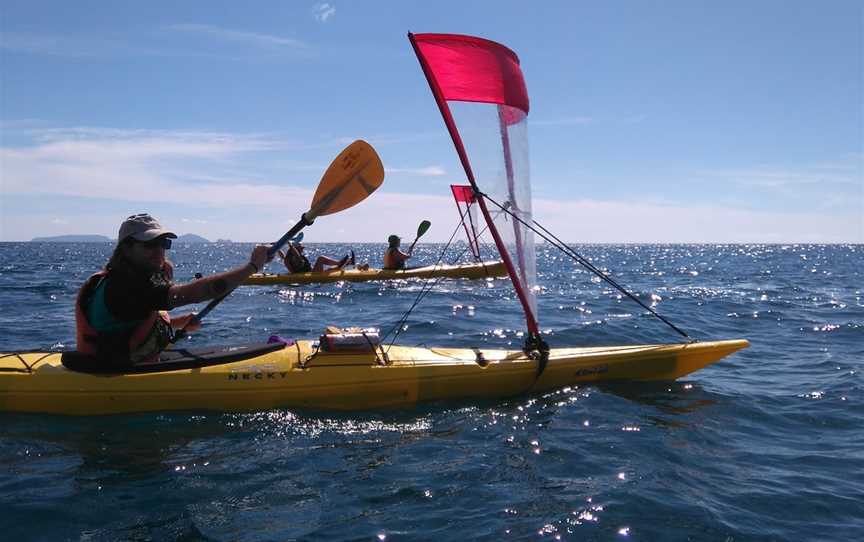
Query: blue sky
[(650, 121)]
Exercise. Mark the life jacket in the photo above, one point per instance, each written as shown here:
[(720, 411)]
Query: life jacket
[(296, 262), (140, 342), (391, 259)]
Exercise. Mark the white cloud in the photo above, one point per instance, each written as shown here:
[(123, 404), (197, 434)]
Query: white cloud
[(112, 173), (187, 175), (97, 48), (430, 171), (62, 45), (773, 177), (324, 11), (633, 222), (249, 38), (141, 166), (563, 121)]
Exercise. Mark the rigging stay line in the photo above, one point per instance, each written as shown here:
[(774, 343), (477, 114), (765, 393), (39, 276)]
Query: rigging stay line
[(563, 247)]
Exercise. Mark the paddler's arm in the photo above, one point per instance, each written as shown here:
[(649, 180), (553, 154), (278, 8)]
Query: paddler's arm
[(217, 285)]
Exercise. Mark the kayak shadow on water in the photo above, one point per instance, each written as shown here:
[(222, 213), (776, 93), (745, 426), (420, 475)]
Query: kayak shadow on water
[(678, 399)]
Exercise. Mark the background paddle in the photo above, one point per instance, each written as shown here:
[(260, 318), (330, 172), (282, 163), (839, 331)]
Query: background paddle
[(353, 175), (421, 229)]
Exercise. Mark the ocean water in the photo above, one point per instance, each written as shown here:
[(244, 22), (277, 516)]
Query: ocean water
[(767, 444)]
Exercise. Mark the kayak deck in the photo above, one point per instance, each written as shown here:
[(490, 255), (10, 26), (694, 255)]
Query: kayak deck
[(465, 271), (299, 375)]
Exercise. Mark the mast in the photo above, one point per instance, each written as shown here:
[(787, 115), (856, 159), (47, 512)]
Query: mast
[(530, 318)]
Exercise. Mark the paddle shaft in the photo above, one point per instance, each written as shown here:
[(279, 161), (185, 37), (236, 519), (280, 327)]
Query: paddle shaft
[(357, 166), (411, 248), (304, 221)]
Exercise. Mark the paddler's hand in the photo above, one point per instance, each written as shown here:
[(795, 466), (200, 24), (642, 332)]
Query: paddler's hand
[(259, 258), (182, 322)]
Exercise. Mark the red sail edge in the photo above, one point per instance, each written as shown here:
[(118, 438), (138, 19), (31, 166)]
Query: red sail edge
[(471, 69), (464, 195)]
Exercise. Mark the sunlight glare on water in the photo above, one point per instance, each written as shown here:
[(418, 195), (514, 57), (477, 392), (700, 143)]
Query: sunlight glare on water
[(761, 446)]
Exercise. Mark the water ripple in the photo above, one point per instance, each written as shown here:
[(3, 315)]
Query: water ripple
[(766, 445)]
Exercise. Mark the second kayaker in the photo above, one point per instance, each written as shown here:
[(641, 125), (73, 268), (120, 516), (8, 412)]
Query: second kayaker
[(295, 260), (393, 257)]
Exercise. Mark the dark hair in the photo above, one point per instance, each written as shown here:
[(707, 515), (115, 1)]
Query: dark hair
[(119, 263), (118, 259)]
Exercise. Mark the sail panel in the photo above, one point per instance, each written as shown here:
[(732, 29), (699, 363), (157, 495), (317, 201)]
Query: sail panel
[(481, 94), (500, 164)]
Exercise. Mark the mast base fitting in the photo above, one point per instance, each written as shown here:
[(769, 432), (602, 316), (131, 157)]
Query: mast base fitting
[(537, 349)]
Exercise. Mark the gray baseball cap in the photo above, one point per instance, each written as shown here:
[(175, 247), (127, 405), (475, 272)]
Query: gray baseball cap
[(143, 227)]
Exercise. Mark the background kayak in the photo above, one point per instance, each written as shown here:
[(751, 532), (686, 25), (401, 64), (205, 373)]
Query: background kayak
[(490, 269)]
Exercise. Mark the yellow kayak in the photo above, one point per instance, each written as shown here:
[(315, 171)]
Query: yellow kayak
[(463, 271), (259, 377)]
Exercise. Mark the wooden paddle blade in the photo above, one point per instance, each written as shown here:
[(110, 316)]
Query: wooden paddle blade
[(353, 175)]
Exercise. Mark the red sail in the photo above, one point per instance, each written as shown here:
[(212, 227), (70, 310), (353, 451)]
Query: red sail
[(471, 69), (464, 196), (462, 193)]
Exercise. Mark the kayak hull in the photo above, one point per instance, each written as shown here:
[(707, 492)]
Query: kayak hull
[(464, 271), (298, 376)]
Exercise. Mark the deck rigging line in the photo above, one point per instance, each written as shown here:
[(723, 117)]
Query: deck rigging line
[(427, 287), (578, 258)]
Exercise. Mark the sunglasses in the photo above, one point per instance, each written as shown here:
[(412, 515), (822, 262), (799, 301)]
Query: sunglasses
[(162, 242)]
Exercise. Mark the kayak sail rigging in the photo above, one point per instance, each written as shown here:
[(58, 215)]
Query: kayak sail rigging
[(480, 91), (465, 200)]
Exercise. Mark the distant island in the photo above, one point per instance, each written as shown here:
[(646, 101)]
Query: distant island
[(191, 238), (73, 239), (185, 238)]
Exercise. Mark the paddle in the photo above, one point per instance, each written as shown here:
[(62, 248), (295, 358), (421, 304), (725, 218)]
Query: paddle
[(421, 229), (351, 178)]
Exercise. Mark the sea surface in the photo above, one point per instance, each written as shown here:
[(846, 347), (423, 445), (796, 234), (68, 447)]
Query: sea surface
[(767, 444)]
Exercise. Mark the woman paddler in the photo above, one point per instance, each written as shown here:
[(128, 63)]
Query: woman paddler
[(295, 260), (121, 313)]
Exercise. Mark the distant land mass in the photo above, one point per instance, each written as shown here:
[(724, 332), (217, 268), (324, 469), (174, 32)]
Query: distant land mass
[(185, 238), (73, 239), (191, 238)]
